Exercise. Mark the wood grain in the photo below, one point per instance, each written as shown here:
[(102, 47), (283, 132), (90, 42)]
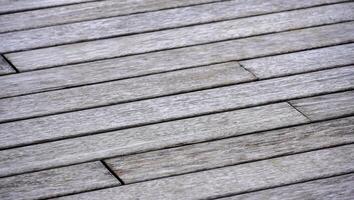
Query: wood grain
[(326, 106), (339, 187), (300, 62), (194, 35), (55, 182), (174, 107), (235, 179), (88, 11), (140, 139), (5, 68), (109, 27), (122, 91)]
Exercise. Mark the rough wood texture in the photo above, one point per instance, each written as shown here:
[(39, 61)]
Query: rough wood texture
[(138, 65), (55, 182), (326, 106), (186, 159), (235, 179), (140, 139), (300, 62), (88, 11), (201, 34), (116, 26), (5, 68), (122, 91), (174, 107), (339, 187)]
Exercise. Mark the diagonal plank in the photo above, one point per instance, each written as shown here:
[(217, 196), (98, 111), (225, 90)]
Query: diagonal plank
[(236, 179), (89, 11), (300, 62), (339, 187), (123, 91), (56, 182), (326, 106), (174, 107), (5, 67), (192, 158), (125, 67), (173, 38), (56, 35), (157, 136)]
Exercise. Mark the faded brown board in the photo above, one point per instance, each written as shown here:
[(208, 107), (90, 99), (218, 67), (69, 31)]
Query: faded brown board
[(152, 21), (174, 107), (235, 179), (5, 68), (140, 139), (57, 182)]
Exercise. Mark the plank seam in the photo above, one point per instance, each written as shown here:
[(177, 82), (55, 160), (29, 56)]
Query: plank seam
[(299, 111), (10, 63), (112, 172), (249, 71)]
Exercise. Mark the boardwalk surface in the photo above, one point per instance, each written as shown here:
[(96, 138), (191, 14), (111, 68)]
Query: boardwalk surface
[(176, 99)]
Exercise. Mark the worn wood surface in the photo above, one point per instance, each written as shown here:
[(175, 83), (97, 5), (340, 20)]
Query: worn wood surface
[(116, 26), (55, 182), (146, 138), (236, 179), (147, 42), (300, 62), (88, 11), (191, 158), (5, 67), (339, 187), (123, 91), (174, 107)]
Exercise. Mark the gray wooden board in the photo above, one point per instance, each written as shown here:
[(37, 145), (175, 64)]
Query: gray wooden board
[(191, 158), (193, 35), (89, 11), (140, 139), (173, 107), (112, 69), (122, 91), (235, 179), (7, 6), (339, 187), (300, 62), (326, 106), (5, 68), (88, 30), (55, 182)]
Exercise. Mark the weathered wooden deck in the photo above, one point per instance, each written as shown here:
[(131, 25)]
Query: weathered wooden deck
[(177, 99)]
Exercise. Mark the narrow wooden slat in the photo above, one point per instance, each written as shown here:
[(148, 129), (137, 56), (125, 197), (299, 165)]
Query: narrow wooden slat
[(123, 91), (299, 62), (112, 69), (140, 139), (55, 182), (186, 159), (88, 11), (116, 26), (326, 106), (235, 179), (339, 187), (5, 68), (174, 107), (201, 34)]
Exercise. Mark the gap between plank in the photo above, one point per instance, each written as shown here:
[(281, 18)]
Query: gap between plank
[(112, 172), (10, 63)]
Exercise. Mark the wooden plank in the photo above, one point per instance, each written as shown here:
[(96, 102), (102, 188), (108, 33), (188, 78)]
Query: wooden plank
[(174, 107), (5, 67), (55, 182), (299, 62), (203, 156), (193, 35), (140, 139), (125, 67), (339, 187), (7, 6), (89, 30), (326, 106), (235, 179), (123, 91), (88, 11)]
